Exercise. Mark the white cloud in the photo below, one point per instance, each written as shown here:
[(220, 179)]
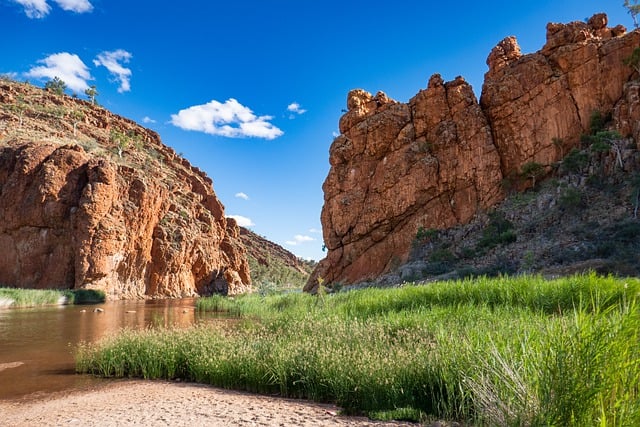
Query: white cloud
[(242, 195), (66, 66), (294, 107), (315, 231), (78, 6), (113, 61), (231, 119), (299, 239), (242, 221), (37, 9), (147, 119)]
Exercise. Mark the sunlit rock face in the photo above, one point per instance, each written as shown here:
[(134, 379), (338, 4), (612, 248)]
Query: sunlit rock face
[(92, 200), (439, 159)]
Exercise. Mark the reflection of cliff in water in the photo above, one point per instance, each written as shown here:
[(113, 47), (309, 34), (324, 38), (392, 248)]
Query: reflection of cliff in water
[(37, 344)]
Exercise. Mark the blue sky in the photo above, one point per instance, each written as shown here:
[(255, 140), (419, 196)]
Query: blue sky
[(251, 91)]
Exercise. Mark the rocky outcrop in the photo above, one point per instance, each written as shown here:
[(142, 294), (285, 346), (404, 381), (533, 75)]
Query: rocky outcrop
[(538, 105), (398, 167), (92, 200), (441, 158)]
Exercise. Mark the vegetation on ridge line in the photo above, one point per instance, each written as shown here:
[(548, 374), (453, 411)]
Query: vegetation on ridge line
[(505, 351)]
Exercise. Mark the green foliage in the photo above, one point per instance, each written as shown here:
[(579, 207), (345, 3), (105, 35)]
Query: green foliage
[(633, 8), (570, 199), (120, 140), (17, 297), (575, 161), (91, 93), (533, 171), (499, 231), (56, 85), (507, 351), (88, 296), (598, 122), (424, 235), (274, 276)]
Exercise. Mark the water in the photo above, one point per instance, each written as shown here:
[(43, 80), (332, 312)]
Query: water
[(37, 344)]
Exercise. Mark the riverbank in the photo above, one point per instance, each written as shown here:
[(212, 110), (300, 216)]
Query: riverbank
[(25, 298), (135, 402), (483, 351)]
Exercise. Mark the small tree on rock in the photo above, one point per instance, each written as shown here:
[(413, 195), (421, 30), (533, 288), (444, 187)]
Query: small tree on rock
[(634, 9), (56, 85), (92, 92)]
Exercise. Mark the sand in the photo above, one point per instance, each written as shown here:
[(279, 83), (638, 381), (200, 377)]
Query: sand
[(158, 403)]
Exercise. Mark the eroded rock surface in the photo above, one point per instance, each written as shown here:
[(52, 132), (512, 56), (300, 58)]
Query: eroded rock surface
[(92, 200), (441, 158)]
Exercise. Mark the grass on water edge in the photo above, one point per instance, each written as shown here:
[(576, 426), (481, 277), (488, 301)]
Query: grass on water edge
[(501, 351), (19, 298)]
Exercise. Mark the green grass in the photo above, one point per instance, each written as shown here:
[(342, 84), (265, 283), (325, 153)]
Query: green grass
[(506, 351), (18, 298)]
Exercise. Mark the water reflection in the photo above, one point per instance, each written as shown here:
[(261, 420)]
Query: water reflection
[(37, 344)]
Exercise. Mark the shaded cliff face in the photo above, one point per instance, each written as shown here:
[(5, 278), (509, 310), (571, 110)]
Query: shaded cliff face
[(441, 158), (92, 200)]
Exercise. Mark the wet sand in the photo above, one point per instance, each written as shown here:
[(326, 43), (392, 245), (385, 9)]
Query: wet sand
[(159, 403)]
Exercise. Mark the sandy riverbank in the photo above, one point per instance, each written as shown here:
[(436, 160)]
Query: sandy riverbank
[(157, 403)]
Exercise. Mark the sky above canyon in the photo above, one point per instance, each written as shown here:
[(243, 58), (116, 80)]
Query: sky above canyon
[(251, 92)]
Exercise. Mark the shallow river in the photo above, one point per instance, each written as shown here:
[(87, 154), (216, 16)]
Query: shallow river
[(37, 344)]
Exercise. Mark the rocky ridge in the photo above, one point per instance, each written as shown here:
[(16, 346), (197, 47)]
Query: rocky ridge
[(93, 200), (443, 158)]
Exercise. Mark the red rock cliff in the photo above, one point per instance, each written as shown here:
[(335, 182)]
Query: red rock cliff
[(439, 159), (92, 200)]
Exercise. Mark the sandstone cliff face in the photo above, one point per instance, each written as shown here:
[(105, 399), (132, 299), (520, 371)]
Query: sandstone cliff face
[(92, 200), (538, 105), (397, 167), (441, 158)]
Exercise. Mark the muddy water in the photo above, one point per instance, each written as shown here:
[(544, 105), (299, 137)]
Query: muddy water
[(37, 344)]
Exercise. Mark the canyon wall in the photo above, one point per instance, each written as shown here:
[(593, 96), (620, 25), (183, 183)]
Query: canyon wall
[(441, 158), (90, 200)]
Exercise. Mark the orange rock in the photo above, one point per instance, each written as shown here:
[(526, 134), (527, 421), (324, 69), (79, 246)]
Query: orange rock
[(438, 160), (145, 225)]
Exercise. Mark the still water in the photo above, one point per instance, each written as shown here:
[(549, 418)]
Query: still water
[(37, 344)]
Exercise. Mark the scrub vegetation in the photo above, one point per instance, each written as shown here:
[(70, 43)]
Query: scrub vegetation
[(499, 351)]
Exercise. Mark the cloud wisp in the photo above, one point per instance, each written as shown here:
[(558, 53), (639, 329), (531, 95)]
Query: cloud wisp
[(295, 109), (67, 67), (242, 221), (38, 9), (147, 120), (299, 239), (242, 196), (77, 6), (229, 119), (113, 61)]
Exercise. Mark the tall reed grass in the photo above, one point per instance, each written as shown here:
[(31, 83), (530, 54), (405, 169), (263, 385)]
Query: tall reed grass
[(506, 351), (19, 298)]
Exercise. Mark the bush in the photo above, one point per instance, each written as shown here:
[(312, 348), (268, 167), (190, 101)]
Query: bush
[(575, 161), (498, 232)]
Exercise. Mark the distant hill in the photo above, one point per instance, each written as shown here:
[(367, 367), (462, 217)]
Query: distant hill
[(273, 267)]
